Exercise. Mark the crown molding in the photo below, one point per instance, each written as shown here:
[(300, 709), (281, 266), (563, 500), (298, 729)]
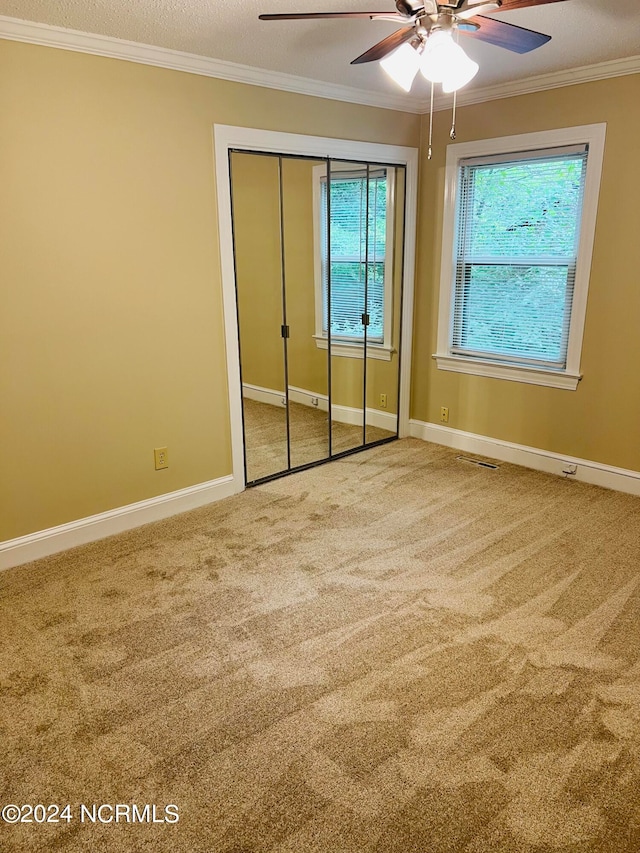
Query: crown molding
[(555, 80), (15, 29)]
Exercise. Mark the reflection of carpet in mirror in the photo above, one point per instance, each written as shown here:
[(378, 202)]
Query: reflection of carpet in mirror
[(266, 437)]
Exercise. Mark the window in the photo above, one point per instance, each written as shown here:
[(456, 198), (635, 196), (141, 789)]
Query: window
[(519, 224), (354, 256)]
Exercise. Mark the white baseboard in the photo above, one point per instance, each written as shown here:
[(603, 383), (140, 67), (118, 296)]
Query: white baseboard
[(43, 543), (306, 398), (263, 395), (375, 418), (341, 414), (596, 473)]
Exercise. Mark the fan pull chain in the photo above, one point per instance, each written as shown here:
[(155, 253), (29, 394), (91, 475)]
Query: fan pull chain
[(430, 154), (452, 132)]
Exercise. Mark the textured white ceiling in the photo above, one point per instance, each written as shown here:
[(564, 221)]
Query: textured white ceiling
[(584, 32)]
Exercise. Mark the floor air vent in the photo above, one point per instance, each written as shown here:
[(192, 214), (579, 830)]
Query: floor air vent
[(479, 462)]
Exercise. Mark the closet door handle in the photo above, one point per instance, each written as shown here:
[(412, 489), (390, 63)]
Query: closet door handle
[(284, 331)]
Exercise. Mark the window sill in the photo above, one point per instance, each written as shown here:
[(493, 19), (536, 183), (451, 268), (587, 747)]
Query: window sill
[(351, 349), (519, 373)]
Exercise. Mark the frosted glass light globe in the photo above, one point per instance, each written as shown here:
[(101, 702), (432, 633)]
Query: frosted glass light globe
[(444, 61), (402, 65)]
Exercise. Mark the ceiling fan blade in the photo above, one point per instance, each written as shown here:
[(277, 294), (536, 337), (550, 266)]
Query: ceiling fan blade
[(507, 5), (384, 47), (395, 19), (296, 16), (517, 39), (479, 8)]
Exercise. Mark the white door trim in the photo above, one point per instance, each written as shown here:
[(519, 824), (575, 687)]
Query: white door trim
[(228, 137)]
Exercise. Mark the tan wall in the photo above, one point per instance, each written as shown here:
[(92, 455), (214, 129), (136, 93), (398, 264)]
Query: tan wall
[(111, 335), (601, 420), (258, 262)]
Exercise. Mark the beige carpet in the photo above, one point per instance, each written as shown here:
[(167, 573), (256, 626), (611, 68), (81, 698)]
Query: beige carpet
[(393, 653), (265, 429)]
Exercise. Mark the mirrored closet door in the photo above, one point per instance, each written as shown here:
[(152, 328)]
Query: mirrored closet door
[(318, 269)]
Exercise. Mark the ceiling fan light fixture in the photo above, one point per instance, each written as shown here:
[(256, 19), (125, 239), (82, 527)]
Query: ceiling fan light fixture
[(425, 42), (444, 61), (402, 65)]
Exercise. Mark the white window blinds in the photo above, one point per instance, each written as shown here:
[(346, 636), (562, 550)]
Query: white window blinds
[(517, 235), (357, 240)]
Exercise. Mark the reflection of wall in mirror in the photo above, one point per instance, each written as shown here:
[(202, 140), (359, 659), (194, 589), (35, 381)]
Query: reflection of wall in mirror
[(258, 271), (256, 228), (307, 364)]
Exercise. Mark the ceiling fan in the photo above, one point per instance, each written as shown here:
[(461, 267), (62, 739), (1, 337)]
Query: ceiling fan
[(427, 40)]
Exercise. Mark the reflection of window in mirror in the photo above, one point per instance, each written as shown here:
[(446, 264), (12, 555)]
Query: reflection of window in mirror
[(361, 256)]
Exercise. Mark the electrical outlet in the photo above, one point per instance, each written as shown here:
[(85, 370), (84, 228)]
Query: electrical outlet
[(161, 457), (444, 414), (569, 468), (314, 401), (383, 401)]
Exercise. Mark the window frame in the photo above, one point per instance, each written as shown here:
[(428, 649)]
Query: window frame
[(344, 346), (568, 378)]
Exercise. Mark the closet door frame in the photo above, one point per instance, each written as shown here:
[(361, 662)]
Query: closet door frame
[(228, 137)]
